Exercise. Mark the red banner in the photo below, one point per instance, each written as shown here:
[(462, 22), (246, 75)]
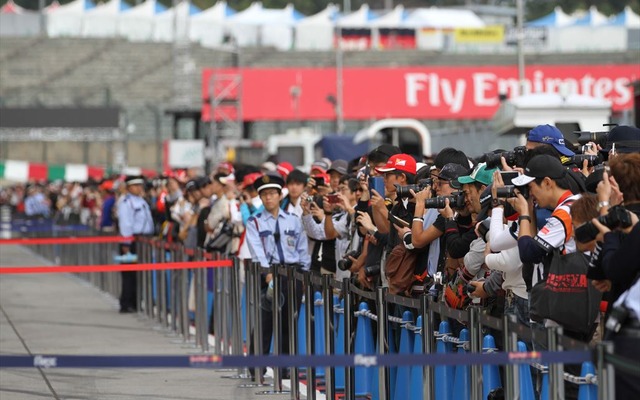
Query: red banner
[(413, 92)]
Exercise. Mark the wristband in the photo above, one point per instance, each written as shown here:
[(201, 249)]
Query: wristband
[(418, 219), (524, 217), (602, 204)]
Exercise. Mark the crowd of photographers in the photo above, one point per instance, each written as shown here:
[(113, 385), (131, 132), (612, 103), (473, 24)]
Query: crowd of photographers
[(496, 232)]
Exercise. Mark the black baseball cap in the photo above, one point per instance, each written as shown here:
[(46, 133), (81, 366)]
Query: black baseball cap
[(541, 166)]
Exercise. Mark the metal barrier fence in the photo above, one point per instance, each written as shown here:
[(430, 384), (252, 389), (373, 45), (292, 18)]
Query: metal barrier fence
[(325, 322)]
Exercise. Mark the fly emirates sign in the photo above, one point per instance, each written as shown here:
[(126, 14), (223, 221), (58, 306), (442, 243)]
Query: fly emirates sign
[(415, 92)]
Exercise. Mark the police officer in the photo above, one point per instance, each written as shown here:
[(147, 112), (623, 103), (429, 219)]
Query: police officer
[(134, 218), (276, 237)]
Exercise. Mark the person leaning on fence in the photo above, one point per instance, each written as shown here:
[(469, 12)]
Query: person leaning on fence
[(275, 237), (134, 219)]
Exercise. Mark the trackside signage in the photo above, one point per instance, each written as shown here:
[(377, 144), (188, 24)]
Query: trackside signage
[(413, 92)]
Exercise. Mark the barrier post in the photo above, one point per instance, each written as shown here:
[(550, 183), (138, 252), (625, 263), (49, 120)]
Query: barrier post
[(428, 347), (475, 339), (512, 377), (162, 289), (556, 371), (184, 306), (225, 306), (606, 373), (236, 308), (277, 379), (292, 305), (148, 282), (202, 305), (308, 296), (217, 311), (175, 292), (257, 326), (251, 307), (349, 383), (383, 318), (328, 334)]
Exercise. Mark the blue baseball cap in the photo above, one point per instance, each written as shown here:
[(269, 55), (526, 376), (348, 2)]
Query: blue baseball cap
[(550, 135)]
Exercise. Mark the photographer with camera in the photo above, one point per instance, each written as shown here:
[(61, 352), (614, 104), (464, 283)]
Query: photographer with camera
[(618, 235), (323, 259)]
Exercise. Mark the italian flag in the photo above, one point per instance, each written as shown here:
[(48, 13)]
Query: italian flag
[(23, 171)]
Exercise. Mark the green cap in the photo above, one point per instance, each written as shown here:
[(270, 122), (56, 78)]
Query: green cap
[(479, 174)]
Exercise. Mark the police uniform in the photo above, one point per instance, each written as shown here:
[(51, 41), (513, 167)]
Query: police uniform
[(272, 241), (134, 218)]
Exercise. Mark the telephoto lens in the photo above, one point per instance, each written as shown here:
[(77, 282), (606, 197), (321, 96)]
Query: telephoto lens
[(345, 264), (372, 270), (617, 217)]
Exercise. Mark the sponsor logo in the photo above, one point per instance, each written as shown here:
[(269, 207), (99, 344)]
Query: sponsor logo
[(45, 362), (365, 361), (204, 359), (525, 357)]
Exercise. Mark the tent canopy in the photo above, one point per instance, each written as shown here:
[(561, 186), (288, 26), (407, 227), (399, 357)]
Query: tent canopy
[(11, 8), (358, 19), (219, 12), (443, 18), (147, 9), (75, 7), (626, 18), (328, 16), (256, 14), (393, 19), (557, 18), (592, 17), (112, 7)]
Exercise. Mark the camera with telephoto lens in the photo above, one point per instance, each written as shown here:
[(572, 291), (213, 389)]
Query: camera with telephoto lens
[(456, 201), (509, 191), (595, 137), (372, 270), (514, 157), (483, 229), (592, 160), (618, 217), (345, 264), (403, 192)]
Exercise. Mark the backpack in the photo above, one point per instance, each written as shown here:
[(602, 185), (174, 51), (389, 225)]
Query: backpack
[(400, 267)]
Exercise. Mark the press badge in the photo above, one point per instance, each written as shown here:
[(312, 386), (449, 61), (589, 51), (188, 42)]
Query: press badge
[(291, 239)]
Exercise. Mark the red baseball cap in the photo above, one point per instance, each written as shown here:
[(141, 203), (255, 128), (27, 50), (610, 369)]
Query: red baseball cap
[(250, 178), (400, 162), (284, 168)]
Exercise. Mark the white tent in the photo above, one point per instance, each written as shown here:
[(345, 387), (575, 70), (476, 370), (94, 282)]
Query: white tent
[(316, 31), (66, 20), (164, 30), (358, 19), (592, 17), (443, 18), (207, 26), (393, 19), (259, 26), (18, 21), (627, 18), (102, 21), (136, 24), (557, 18)]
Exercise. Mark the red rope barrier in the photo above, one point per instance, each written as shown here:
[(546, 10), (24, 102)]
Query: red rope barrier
[(115, 267), (66, 240)]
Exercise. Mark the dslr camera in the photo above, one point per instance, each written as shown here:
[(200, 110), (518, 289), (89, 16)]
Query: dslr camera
[(345, 264), (483, 229), (456, 200), (403, 191), (509, 191), (372, 270), (618, 217), (592, 160), (514, 157)]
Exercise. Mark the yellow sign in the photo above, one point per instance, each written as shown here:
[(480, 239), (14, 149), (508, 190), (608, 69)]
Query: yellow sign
[(489, 34)]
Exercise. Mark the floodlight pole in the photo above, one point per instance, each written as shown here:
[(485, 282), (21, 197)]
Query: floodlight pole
[(339, 83)]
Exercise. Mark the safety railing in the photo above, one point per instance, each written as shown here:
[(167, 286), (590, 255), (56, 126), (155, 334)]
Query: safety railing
[(322, 320)]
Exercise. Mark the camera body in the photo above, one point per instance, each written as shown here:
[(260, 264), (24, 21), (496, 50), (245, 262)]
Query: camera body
[(618, 217), (592, 160), (345, 264), (509, 191), (456, 201), (514, 157), (403, 191)]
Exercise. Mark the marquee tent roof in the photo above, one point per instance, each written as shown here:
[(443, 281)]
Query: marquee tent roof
[(11, 8), (181, 10), (443, 18), (626, 18), (328, 16), (147, 9), (557, 18), (393, 19), (75, 7), (256, 14), (358, 19), (592, 17), (219, 12)]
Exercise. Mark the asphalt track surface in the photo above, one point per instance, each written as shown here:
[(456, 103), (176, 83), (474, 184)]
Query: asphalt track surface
[(61, 314)]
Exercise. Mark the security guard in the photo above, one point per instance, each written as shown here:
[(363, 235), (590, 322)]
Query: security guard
[(276, 237), (134, 218)]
